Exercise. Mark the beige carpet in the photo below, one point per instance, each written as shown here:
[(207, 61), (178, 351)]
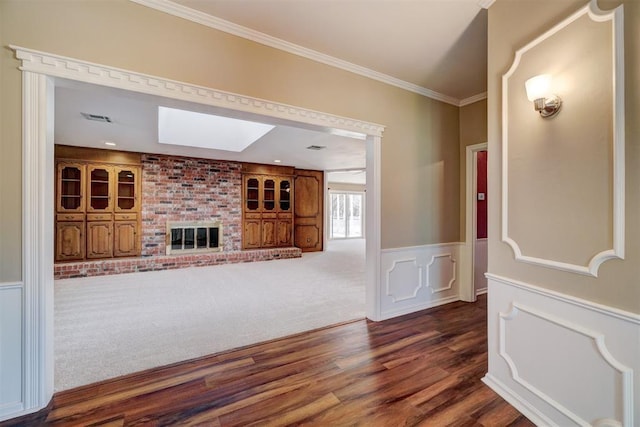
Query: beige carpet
[(113, 325)]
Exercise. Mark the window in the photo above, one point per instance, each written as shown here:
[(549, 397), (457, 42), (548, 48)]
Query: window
[(193, 237), (346, 215)]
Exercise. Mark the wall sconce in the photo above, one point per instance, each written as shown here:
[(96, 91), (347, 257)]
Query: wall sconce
[(547, 104)]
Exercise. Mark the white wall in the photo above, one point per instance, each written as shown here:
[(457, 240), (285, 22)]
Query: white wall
[(561, 360), (419, 277), (11, 325)]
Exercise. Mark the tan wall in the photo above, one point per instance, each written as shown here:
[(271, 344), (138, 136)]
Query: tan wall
[(473, 130), (420, 147), (511, 26)]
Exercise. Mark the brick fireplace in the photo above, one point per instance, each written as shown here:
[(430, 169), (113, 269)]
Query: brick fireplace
[(183, 189)]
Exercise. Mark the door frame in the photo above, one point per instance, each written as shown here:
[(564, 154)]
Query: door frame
[(39, 71), (330, 220), (467, 285)]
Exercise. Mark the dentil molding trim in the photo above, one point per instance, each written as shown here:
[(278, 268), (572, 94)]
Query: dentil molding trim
[(76, 69), (591, 269), (210, 21)]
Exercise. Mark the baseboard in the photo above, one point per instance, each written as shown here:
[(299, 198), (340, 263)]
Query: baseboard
[(419, 307), (481, 291), (524, 407), (570, 361), (418, 277)]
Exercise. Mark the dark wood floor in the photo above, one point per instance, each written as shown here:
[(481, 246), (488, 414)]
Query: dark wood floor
[(422, 369)]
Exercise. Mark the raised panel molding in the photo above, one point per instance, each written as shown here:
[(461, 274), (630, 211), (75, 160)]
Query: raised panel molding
[(408, 281), (618, 212), (60, 66), (411, 270), (562, 360), (437, 285), (625, 373)]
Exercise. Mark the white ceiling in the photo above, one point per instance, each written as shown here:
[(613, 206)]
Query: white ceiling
[(134, 127)]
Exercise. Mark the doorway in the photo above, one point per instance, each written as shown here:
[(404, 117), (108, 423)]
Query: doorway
[(476, 227), (346, 216), (39, 71)]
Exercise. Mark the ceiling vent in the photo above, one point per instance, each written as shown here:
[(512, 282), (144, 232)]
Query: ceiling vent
[(96, 117), (316, 147)]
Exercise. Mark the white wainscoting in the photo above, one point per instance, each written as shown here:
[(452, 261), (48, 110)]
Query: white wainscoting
[(562, 360), (418, 277), (480, 266), (11, 325)]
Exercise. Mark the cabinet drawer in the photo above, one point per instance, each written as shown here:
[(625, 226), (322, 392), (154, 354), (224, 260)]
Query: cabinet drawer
[(285, 216), (70, 217), (126, 217), (99, 217), (269, 215), (252, 216)]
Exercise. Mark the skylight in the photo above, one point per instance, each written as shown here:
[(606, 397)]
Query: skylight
[(190, 129)]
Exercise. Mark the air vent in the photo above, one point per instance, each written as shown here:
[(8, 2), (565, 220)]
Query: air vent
[(316, 147), (96, 117)]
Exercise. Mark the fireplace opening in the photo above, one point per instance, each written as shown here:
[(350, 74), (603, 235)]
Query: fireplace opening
[(193, 237)]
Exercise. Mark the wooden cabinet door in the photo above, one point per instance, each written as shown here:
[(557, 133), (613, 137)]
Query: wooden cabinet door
[(252, 193), (99, 188), (127, 187), (70, 241), (285, 194), (99, 239), (70, 187), (125, 241), (284, 232), (268, 233), (269, 184), (252, 236), (308, 210)]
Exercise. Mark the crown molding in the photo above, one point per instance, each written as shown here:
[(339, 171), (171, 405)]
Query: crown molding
[(472, 99), (210, 21), (486, 4)]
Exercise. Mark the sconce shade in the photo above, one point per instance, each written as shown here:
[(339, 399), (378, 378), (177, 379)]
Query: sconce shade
[(538, 87)]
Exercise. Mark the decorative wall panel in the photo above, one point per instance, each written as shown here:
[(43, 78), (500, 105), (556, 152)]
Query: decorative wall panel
[(441, 273), (563, 177), (404, 280), (418, 277), (571, 359)]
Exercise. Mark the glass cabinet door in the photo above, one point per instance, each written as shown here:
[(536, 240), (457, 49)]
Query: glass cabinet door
[(126, 189), (70, 187), (99, 183), (252, 197), (285, 195), (269, 194)]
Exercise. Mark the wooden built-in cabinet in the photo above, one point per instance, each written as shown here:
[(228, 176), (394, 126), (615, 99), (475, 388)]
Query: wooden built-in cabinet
[(269, 207), (97, 204), (267, 211), (308, 208)]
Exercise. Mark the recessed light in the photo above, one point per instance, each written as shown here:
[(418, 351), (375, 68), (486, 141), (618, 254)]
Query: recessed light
[(277, 161), (110, 144)]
